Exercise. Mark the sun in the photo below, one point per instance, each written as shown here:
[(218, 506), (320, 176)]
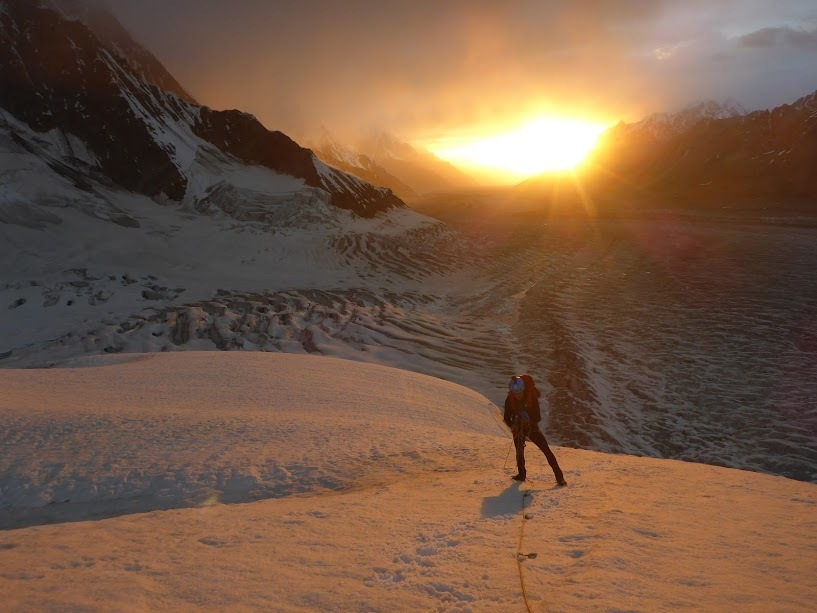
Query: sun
[(541, 145)]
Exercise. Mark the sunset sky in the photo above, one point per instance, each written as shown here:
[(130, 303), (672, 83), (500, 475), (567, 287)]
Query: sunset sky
[(460, 69)]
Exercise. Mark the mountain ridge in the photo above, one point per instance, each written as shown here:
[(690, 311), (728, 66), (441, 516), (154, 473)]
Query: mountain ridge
[(423, 171), (146, 139), (663, 126), (333, 153), (709, 157), (110, 31), (741, 159)]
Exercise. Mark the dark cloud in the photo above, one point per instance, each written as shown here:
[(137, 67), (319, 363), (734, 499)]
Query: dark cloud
[(421, 68), (772, 37)]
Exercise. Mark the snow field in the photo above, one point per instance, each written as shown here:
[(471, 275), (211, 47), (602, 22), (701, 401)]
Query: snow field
[(129, 436), (399, 504)]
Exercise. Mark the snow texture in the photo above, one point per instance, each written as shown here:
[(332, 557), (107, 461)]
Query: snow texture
[(677, 338), (364, 488)]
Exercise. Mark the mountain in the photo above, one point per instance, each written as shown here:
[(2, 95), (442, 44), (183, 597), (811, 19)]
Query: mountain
[(709, 156), (111, 32), (102, 108), (423, 171), (121, 200), (332, 152), (758, 158), (663, 126)]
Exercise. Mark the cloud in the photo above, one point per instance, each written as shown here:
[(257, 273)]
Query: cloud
[(780, 36), (669, 52), (426, 68)]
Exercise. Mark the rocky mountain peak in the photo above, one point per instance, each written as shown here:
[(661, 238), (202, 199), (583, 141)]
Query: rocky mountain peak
[(383, 145), (662, 126), (807, 103), (330, 150), (76, 74), (110, 31)]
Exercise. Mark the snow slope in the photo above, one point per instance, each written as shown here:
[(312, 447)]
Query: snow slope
[(364, 488), (76, 256)]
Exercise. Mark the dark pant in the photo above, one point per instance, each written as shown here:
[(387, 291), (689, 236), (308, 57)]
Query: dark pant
[(538, 439)]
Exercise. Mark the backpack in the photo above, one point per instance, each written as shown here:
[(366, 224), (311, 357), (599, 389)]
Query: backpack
[(531, 391), (532, 395)]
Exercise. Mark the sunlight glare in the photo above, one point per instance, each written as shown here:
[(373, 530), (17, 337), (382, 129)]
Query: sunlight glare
[(539, 146)]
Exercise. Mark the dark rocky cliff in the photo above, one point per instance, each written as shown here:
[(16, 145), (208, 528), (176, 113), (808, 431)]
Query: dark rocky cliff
[(58, 75)]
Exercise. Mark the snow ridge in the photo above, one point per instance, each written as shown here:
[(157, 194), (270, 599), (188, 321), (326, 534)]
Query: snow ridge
[(663, 126)]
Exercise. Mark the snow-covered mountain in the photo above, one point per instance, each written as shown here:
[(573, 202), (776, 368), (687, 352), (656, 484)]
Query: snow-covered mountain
[(662, 126), (119, 199), (111, 32), (710, 156), (383, 159), (103, 104), (332, 152), (423, 171), (713, 156)]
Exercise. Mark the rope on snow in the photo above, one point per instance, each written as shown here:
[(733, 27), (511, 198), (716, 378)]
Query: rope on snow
[(519, 554)]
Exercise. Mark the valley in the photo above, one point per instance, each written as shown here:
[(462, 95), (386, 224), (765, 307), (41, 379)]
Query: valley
[(674, 337)]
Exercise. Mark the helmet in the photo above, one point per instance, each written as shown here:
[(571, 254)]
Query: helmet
[(517, 385)]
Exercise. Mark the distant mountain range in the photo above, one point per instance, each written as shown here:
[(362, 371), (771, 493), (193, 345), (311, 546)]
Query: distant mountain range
[(707, 156), (383, 159), (94, 106), (663, 126), (332, 152), (421, 169)]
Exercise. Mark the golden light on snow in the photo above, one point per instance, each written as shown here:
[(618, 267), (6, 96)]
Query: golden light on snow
[(541, 145)]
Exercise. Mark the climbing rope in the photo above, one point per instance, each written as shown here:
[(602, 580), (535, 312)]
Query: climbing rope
[(507, 455), (519, 554), (525, 495)]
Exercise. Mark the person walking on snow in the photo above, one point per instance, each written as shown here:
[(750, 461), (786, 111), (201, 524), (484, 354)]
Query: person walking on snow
[(522, 414)]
